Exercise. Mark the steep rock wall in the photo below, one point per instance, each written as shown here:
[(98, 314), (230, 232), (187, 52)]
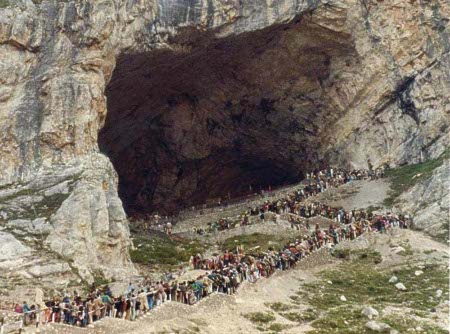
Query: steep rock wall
[(59, 207), (342, 82), (59, 203), (228, 114), (429, 202)]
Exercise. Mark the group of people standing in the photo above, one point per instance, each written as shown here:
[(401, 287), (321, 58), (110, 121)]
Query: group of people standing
[(316, 182), (224, 273)]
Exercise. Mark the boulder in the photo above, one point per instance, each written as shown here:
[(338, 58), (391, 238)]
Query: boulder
[(398, 249), (12, 248), (370, 312), (342, 298), (393, 279), (49, 269), (378, 326), (400, 286)]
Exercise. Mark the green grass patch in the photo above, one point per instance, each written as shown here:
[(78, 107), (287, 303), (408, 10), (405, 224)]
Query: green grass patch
[(404, 177), (296, 299), (341, 320), (160, 249), (363, 283), (305, 316), (362, 255), (277, 328), (279, 307), (260, 317), (408, 249), (341, 253), (367, 255), (99, 279), (403, 324), (349, 320), (444, 235)]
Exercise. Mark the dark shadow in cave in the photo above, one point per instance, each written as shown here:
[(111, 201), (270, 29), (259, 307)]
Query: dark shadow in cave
[(215, 116)]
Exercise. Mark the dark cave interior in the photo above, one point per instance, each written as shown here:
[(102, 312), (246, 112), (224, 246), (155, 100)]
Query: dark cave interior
[(213, 116)]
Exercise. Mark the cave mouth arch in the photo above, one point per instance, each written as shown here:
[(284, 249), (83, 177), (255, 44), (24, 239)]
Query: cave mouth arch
[(212, 117)]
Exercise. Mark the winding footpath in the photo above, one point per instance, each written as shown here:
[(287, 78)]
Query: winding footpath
[(104, 325)]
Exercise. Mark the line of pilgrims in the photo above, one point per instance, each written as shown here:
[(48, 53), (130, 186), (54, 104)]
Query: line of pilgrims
[(224, 273), (295, 203)]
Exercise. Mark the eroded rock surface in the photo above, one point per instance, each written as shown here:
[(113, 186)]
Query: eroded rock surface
[(342, 82), (429, 202), (290, 83)]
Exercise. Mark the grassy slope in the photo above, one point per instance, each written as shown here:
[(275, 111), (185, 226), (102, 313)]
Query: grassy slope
[(160, 249), (363, 284)]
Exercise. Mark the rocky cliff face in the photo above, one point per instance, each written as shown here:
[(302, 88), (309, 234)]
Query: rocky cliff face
[(429, 201), (221, 92)]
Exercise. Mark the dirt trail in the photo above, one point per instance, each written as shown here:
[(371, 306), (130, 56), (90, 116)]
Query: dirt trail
[(200, 218), (356, 195), (225, 314), (218, 313)]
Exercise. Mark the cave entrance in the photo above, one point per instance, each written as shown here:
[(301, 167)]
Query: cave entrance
[(214, 117)]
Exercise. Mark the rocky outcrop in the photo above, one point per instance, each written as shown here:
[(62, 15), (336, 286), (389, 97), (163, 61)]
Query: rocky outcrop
[(408, 124), (429, 202), (69, 223), (342, 82), (290, 83)]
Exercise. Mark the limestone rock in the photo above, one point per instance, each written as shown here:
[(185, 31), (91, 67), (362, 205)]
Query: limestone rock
[(428, 202), (12, 250), (400, 286), (49, 269), (370, 312), (378, 326), (31, 295), (393, 279), (280, 103)]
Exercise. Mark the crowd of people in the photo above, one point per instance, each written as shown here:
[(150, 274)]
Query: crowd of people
[(221, 273), (316, 182), (224, 273)]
